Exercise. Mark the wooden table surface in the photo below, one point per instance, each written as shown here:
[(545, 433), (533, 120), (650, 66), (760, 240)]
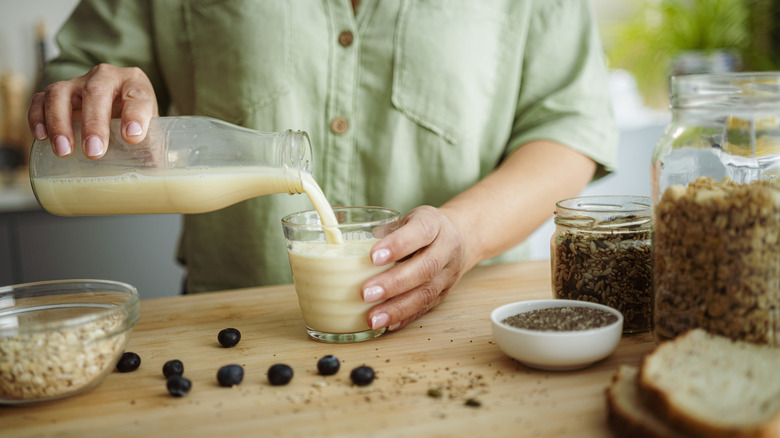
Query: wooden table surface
[(449, 349)]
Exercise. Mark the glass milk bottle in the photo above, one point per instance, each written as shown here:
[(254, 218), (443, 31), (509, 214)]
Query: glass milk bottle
[(716, 203), (184, 165)]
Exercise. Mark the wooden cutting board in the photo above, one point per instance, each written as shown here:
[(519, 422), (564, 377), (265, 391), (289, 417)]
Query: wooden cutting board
[(449, 350)]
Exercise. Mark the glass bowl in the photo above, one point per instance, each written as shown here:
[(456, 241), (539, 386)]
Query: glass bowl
[(555, 350), (61, 338)]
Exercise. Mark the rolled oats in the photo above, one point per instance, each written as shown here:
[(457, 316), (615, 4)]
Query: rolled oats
[(53, 363)]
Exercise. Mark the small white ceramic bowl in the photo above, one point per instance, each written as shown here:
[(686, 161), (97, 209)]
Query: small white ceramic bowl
[(555, 350)]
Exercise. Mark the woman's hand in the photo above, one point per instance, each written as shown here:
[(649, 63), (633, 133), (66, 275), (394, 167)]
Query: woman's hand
[(105, 92), (434, 247), (432, 258)]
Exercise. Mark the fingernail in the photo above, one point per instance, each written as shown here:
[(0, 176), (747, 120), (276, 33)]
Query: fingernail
[(40, 131), (373, 293), (62, 146), (133, 129), (379, 321), (394, 326), (94, 146), (380, 256)]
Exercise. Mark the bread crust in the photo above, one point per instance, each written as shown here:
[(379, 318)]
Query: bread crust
[(626, 416), (659, 402)]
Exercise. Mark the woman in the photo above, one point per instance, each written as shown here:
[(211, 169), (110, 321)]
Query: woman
[(473, 118)]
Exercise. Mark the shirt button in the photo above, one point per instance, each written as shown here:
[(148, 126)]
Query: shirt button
[(346, 38), (339, 125)]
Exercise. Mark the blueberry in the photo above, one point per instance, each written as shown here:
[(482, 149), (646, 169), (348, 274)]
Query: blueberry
[(280, 374), (128, 362), (328, 365), (178, 386), (230, 375), (173, 368), (362, 375), (229, 337)]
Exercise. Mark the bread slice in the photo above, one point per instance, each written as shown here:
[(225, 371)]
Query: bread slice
[(627, 417), (709, 386)]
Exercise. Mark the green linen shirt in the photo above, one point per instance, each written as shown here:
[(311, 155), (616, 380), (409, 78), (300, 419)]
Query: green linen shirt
[(407, 102)]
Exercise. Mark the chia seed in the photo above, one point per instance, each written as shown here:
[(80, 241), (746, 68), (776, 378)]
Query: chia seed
[(561, 319)]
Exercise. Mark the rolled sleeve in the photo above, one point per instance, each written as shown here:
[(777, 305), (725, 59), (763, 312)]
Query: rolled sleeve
[(564, 96)]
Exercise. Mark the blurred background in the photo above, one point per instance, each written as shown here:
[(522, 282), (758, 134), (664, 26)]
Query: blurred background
[(645, 41), (35, 245)]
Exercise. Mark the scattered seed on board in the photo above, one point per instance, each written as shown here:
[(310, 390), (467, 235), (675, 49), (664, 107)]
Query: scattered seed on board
[(474, 403), (434, 393)]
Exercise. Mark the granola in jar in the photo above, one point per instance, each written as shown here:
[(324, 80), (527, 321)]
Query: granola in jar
[(717, 258), (715, 179)]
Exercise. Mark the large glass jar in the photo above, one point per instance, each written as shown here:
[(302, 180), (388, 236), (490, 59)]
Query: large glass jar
[(717, 208), (601, 253)]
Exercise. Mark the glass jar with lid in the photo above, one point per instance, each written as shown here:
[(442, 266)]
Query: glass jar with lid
[(601, 253), (716, 203)]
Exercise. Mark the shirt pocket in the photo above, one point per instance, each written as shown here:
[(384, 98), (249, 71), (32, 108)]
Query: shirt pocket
[(448, 58), (241, 55)]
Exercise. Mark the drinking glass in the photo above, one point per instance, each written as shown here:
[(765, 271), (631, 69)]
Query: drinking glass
[(328, 276)]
